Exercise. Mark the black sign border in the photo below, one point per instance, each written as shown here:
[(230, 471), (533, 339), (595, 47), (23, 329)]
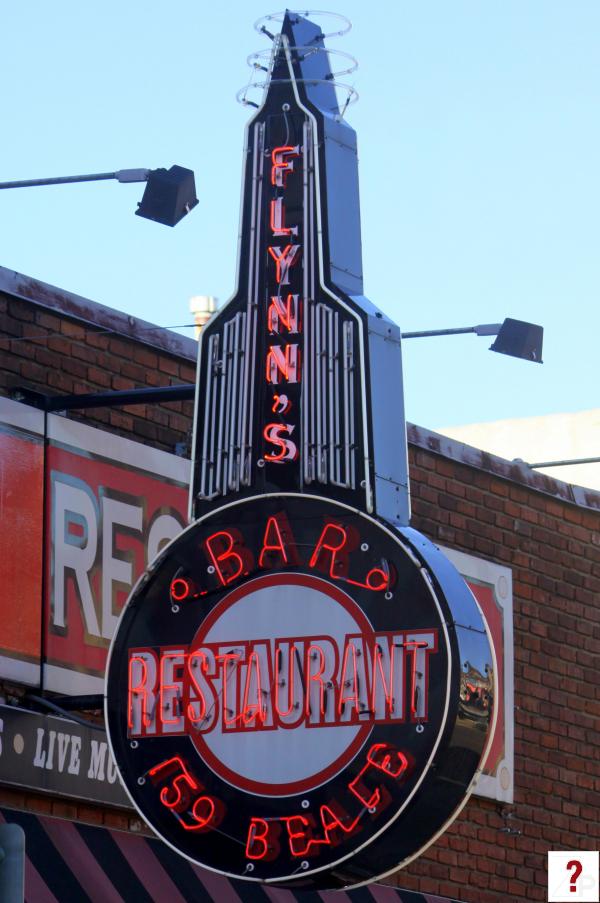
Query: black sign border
[(445, 729)]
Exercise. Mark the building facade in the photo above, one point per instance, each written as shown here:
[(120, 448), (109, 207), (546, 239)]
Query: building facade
[(528, 541)]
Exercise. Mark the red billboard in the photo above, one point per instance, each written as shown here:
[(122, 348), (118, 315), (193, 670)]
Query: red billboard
[(21, 540), (111, 506)]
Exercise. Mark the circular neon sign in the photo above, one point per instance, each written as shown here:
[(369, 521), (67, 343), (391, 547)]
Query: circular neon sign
[(284, 693)]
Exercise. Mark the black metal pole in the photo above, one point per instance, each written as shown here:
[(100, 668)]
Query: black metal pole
[(159, 395), (121, 175), (59, 180), (427, 333), (183, 392), (482, 329)]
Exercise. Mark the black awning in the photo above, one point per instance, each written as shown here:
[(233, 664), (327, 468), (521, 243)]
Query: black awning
[(69, 862)]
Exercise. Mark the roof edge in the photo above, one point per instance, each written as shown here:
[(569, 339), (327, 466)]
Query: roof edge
[(27, 288), (515, 471)]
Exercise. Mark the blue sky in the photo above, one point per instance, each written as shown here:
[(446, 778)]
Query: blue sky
[(479, 147)]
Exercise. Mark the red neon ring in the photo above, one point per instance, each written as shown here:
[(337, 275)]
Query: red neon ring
[(187, 589)]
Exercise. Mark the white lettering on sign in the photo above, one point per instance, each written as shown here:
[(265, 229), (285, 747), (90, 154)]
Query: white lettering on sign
[(282, 165), (277, 434), (60, 752), (280, 683), (73, 553), (283, 314), (98, 756), (143, 673), (66, 746), (283, 360), (74, 761), (283, 364), (163, 530), (278, 226), (284, 258), (87, 540), (63, 745), (115, 570)]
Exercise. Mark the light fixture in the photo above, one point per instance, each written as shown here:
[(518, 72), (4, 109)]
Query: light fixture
[(514, 337), (520, 339), (169, 195)]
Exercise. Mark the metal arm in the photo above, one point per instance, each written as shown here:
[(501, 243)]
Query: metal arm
[(514, 337), (482, 329), (121, 175)]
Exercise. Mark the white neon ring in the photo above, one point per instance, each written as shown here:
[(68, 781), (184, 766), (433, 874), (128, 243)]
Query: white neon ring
[(353, 95), (267, 55), (279, 17)]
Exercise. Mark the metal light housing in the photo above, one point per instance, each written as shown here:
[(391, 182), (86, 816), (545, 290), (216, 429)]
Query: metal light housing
[(520, 339), (170, 194)]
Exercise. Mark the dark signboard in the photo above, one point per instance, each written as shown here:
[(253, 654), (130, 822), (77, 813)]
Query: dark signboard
[(59, 756)]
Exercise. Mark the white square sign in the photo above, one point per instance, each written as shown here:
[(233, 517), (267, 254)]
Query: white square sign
[(573, 875)]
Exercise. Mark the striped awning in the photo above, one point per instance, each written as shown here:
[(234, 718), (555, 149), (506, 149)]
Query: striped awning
[(69, 862)]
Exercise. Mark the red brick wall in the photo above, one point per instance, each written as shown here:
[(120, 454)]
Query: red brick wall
[(89, 813), (524, 522), (554, 550), (44, 350)]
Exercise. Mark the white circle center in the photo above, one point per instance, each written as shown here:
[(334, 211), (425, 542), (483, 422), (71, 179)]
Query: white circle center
[(275, 755)]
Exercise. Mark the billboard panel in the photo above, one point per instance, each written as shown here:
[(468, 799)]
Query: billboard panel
[(21, 540), (111, 506)]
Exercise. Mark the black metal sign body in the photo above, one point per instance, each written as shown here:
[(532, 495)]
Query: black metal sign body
[(285, 700), (288, 367), (285, 690)]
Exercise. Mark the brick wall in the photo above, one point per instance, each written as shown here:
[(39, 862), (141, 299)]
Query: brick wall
[(43, 349), (88, 813), (553, 548)]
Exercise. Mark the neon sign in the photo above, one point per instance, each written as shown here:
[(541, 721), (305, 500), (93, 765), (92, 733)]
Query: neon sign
[(293, 692), (380, 679), (285, 692), (283, 366)]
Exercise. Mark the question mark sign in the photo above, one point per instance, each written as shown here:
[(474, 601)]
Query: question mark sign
[(577, 870)]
